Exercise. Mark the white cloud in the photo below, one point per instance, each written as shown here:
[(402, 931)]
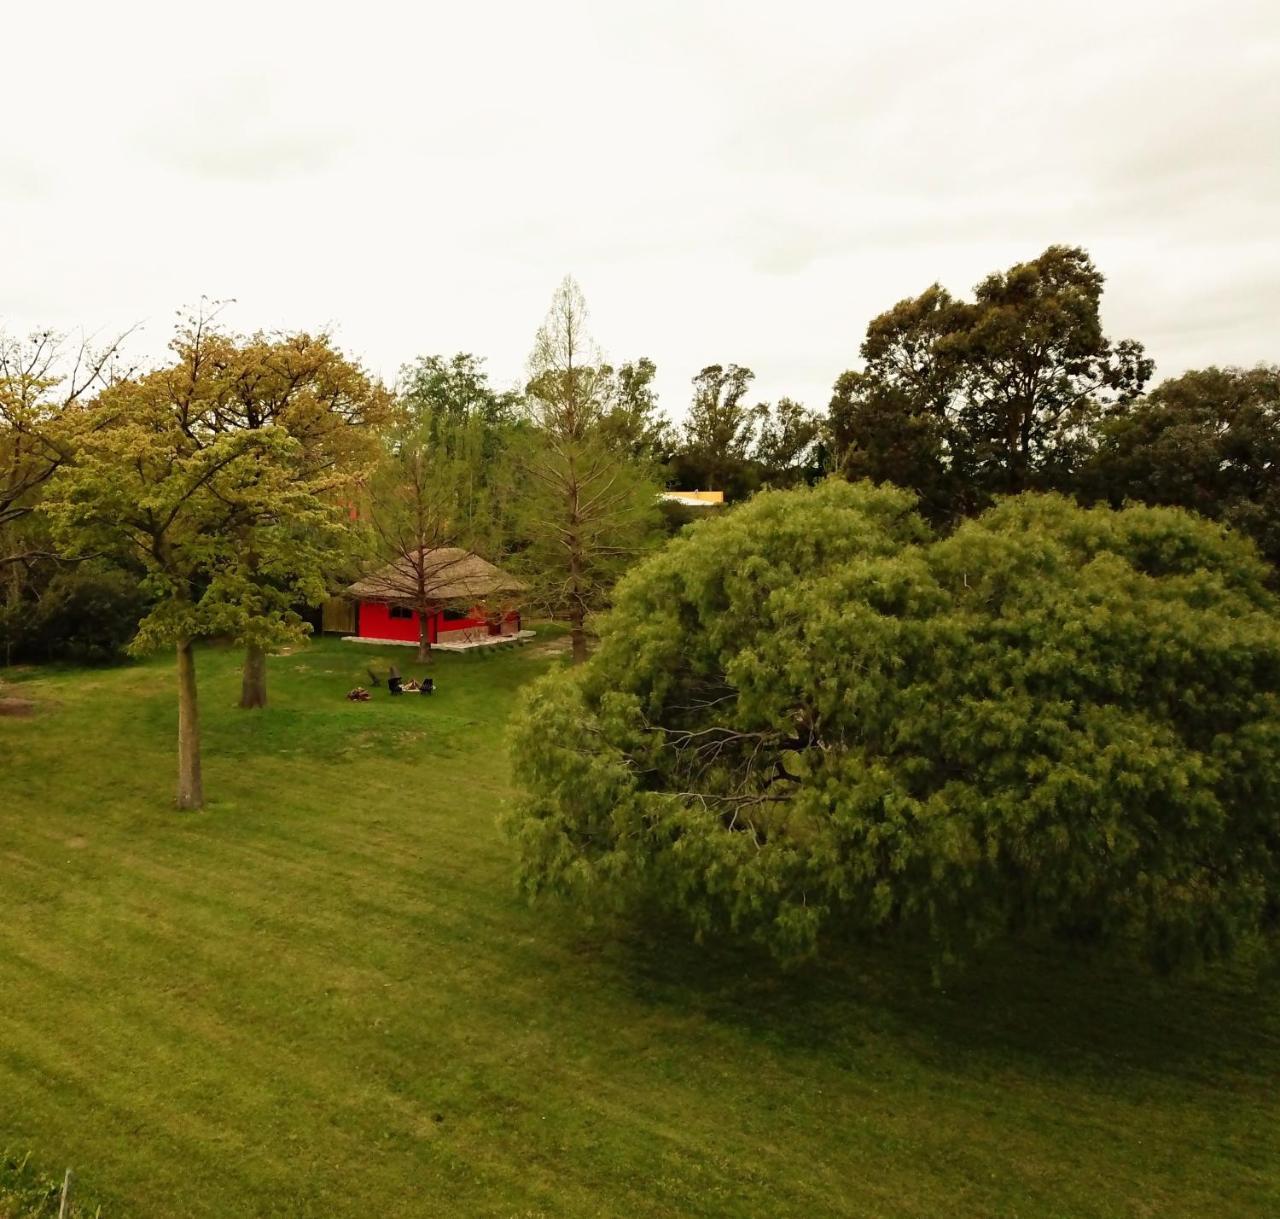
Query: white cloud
[(749, 182)]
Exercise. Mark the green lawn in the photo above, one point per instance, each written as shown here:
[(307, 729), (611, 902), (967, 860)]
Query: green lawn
[(322, 997)]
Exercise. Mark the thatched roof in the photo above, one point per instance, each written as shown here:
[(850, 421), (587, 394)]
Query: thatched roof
[(451, 574)]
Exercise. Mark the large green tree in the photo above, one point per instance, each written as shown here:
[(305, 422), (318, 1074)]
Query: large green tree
[(806, 717), (441, 393), (157, 481), (732, 445), (719, 432), (444, 490), (788, 443), (450, 416), (45, 384), (589, 504), (632, 421), (965, 400), (1208, 440), (303, 385), (897, 419), (1038, 370)]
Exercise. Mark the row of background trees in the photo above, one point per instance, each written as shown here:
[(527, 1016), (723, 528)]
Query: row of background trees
[(1019, 390), (238, 483)]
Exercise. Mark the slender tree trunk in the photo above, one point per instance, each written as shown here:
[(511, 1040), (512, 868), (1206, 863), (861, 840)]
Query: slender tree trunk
[(578, 634), (1011, 433), (190, 785), (577, 610), (424, 635), (253, 677), (577, 604), (1024, 446)]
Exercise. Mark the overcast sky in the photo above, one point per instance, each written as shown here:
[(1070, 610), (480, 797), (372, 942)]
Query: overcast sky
[(726, 181)]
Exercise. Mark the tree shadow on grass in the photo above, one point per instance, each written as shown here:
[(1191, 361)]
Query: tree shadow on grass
[(1041, 1006)]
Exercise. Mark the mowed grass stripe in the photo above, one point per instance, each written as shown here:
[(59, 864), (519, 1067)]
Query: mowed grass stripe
[(264, 1008)]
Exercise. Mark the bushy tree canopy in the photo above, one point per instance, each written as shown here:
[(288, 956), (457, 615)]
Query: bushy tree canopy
[(632, 422), (729, 444), (808, 716), (720, 426), (1208, 440), (966, 400), (226, 521)]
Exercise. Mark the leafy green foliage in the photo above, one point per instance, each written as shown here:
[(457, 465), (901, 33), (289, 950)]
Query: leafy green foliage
[(965, 400), (719, 427), (289, 546), (221, 475), (28, 1193), (86, 612), (1037, 370), (154, 486), (43, 387), (1208, 440), (896, 420), (787, 446), (454, 390), (807, 717), (632, 422), (445, 478), (729, 445)]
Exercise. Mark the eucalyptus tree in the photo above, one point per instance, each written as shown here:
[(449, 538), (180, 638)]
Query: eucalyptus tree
[(962, 401)]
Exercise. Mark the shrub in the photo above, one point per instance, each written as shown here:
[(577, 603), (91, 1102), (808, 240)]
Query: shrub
[(86, 612), (27, 1193)]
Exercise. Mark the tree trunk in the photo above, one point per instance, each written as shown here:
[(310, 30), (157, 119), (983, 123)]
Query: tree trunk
[(253, 678), (578, 634), (424, 635), (190, 786), (577, 602)]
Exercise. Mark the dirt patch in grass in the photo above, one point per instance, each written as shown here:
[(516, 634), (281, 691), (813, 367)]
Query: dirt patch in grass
[(11, 705), (560, 646)]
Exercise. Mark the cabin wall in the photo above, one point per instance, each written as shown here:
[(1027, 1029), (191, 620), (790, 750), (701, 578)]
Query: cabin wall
[(374, 621), (338, 616)]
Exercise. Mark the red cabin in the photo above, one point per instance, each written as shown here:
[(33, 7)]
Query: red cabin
[(444, 596)]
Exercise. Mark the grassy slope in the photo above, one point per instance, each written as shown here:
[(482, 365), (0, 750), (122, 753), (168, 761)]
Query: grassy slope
[(321, 997)]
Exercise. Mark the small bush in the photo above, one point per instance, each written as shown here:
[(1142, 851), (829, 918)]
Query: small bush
[(27, 1193)]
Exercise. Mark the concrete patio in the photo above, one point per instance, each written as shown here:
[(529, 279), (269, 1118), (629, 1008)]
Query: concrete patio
[(471, 644)]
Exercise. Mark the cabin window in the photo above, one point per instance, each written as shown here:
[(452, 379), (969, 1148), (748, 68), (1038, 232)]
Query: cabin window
[(399, 611), (453, 615)]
